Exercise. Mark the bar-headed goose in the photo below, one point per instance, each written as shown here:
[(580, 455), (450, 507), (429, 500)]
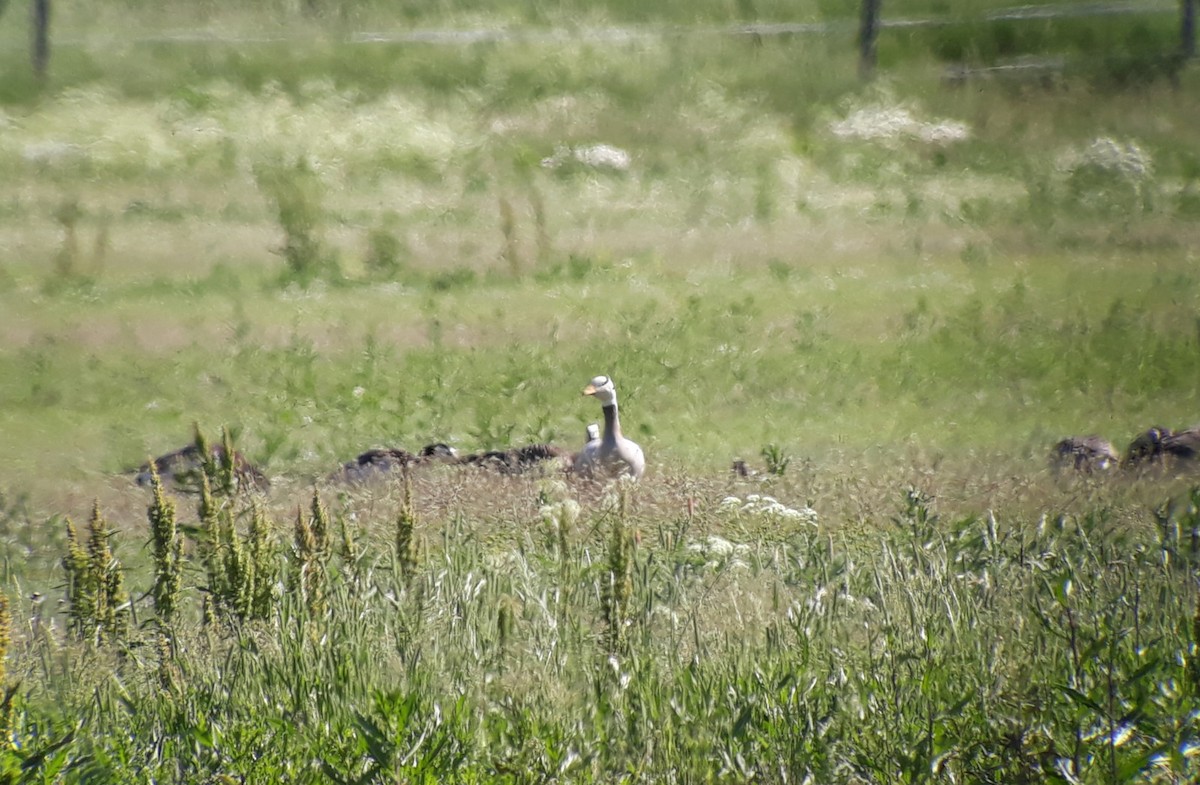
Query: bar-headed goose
[(612, 454)]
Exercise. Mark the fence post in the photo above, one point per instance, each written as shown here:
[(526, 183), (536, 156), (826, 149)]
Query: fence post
[(41, 37), (1187, 29), (868, 31)]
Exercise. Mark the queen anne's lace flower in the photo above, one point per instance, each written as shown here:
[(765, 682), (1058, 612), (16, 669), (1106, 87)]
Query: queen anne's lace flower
[(767, 507), (596, 156), (891, 123), (1126, 160)]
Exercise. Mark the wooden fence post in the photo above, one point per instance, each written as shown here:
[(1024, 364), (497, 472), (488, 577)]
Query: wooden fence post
[(41, 37), (868, 31)]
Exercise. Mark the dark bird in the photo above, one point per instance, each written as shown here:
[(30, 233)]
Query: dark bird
[(184, 468), (1146, 447), (1084, 454), (1183, 445), (742, 470), (517, 460), (1158, 445), (379, 462)]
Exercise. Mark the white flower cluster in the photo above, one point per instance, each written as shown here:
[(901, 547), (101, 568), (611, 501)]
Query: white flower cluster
[(890, 123), (768, 507), (1125, 160), (596, 156), (717, 551), (561, 515), (334, 127)]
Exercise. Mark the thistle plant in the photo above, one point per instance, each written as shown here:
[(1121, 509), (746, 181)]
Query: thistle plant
[(226, 468), (777, 459), (1194, 660), (81, 591), (406, 548), (238, 573), (320, 526), (618, 576), (112, 610), (208, 463), (239, 569), (218, 466), (350, 551), (5, 637), (262, 554), (311, 545), (169, 678), (168, 552), (7, 741), (347, 545), (209, 550), (304, 567), (96, 597)]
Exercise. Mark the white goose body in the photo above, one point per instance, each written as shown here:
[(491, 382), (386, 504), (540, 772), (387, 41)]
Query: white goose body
[(611, 454)]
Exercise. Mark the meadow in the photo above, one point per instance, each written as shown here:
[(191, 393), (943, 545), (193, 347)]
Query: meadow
[(889, 296)]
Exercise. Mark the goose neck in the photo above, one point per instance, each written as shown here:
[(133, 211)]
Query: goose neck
[(612, 425)]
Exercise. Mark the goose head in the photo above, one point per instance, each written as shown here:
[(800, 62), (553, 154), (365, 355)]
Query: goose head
[(593, 432), (602, 389)]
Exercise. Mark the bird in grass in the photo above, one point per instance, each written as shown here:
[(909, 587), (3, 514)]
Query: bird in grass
[(381, 461), (612, 454), (516, 460), (1084, 454), (183, 469), (1158, 445)]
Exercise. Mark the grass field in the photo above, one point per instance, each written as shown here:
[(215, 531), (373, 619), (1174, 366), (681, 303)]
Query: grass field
[(896, 294)]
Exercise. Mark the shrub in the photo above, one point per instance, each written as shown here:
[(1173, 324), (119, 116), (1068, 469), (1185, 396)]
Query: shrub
[(294, 191)]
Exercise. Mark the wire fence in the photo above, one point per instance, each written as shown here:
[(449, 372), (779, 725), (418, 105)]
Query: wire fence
[(867, 29), (620, 34)]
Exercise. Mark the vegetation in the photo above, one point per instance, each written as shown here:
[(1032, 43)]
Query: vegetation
[(889, 298)]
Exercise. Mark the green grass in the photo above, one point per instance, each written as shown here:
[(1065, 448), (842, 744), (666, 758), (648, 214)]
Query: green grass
[(327, 247)]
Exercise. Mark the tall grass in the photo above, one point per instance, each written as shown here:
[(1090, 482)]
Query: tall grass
[(991, 649)]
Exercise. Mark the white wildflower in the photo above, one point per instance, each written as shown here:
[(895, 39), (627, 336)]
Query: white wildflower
[(597, 156), (561, 515), (1126, 160), (52, 152), (892, 123), (718, 551), (768, 508)]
